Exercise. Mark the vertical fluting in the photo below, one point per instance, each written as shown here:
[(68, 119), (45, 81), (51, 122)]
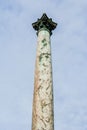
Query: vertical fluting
[(43, 117)]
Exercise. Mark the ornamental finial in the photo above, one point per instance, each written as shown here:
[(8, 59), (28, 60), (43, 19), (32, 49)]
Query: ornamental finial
[(44, 22)]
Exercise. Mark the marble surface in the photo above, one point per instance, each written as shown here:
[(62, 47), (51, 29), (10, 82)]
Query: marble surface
[(43, 116)]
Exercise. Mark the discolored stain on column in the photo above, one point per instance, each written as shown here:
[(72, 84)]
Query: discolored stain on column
[(43, 115)]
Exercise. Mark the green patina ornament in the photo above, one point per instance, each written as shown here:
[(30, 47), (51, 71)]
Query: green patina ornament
[(44, 23)]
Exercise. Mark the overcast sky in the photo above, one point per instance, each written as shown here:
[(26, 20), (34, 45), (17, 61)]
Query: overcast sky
[(18, 41)]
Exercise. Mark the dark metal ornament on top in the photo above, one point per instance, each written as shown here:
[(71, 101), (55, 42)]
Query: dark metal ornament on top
[(44, 23)]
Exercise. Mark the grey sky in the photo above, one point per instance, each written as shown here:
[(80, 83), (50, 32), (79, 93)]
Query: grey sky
[(18, 43)]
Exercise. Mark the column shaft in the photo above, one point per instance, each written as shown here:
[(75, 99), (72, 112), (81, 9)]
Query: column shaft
[(43, 116)]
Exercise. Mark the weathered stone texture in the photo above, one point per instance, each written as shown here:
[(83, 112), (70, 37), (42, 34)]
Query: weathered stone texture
[(43, 88)]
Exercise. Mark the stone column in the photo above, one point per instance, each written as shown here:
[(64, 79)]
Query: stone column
[(43, 115)]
